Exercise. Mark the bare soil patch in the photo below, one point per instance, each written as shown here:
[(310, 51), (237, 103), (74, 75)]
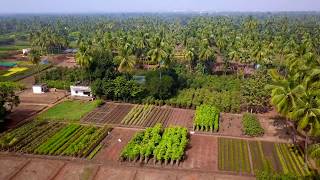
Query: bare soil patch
[(29, 97), (181, 117), (112, 147), (155, 175), (73, 171), (114, 173), (230, 124), (110, 113), (10, 166), (21, 113), (37, 168), (44, 169), (202, 153)]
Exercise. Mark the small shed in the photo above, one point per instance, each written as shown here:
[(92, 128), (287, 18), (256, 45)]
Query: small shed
[(26, 51), (39, 88), (83, 91)]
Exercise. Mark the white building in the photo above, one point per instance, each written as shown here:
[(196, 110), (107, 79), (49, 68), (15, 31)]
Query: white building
[(26, 51), (39, 88), (83, 91)]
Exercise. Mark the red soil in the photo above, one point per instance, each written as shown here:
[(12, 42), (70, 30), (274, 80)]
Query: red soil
[(181, 117), (45, 169), (112, 147), (202, 153)]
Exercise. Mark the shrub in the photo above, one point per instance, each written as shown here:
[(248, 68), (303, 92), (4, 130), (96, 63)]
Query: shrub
[(251, 125), (206, 118)]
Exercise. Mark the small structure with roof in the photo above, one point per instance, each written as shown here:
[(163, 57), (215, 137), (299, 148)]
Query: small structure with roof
[(39, 88), (82, 91), (26, 51)]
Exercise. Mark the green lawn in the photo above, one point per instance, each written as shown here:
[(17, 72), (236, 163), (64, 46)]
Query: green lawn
[(69, 110)]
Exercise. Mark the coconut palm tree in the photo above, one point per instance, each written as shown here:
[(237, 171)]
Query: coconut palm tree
[(83, 58), (206, 53), (189, 56), (125, 59), (314, 152), (158, 52), (35, 58)]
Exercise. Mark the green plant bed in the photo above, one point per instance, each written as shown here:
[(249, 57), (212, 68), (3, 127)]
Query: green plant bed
[(69, 110), (53, 138), (251, 125), (233, 155), (206, 118), (166, 145)]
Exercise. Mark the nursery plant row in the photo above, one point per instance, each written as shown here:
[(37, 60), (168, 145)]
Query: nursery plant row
[(52, 138)]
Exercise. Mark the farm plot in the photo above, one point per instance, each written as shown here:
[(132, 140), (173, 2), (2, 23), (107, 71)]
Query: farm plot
[(40, 137), (71, 110), (206, 118), (282, 158), (111, 146), (167, 146), (110, 113), (291, 159), (146, 116), (181, 117), (277, 157), (202, 153), (233, 155)]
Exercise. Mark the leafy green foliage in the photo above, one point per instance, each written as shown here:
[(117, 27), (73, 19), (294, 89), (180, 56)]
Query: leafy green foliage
[(161, 85), (168, 146), (118, 89), (251, 125), (8, 98), (73, 140), (143, 143), (255, 95), (206, 118)]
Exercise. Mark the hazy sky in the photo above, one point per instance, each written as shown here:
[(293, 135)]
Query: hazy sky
[(74, 6)]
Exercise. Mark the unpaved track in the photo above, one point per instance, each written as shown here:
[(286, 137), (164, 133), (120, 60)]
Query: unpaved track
[(16, 168)]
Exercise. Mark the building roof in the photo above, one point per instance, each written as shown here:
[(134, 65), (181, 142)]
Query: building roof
[(80, 88), (39, 85)]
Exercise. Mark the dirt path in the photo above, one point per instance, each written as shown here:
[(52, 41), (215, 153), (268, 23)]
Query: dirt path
[(16, 168)]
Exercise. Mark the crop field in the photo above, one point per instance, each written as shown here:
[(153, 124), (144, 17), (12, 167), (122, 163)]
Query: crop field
[(147, 116), (109, 113), (20, 72), (279, 157), (206, 119), (47, 138), (291, 159), (282, 158), (181, 117), (233, 155), (68, 111), (166, 145)]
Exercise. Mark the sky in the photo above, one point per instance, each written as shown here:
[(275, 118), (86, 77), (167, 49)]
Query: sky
[(108, 6)]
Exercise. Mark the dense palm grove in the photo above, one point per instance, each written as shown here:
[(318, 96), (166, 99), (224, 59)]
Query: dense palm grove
[(189, 60)]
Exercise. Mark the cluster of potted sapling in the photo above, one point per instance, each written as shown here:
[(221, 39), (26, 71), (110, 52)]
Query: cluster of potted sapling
[(162, 145)]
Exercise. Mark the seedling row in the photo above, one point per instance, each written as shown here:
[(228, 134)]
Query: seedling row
[(146, 116), (40, 137), (233, 155)]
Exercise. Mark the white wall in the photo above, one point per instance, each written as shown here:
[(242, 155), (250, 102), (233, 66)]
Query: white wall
[(79, 93), (37, 89)]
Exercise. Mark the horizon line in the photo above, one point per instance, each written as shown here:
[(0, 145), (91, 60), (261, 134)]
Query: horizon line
[(154, 12)]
